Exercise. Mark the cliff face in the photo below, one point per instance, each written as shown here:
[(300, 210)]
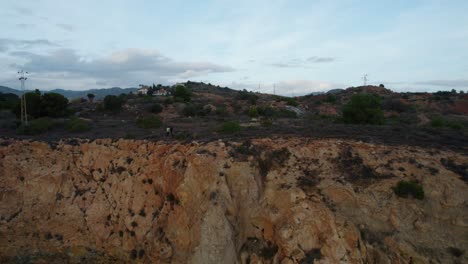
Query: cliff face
[(265, 201)]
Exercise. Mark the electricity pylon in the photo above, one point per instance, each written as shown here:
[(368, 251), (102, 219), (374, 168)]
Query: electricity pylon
[(365, 79), (24, 112)]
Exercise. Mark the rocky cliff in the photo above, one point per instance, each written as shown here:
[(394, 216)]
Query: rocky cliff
[(292, 200)]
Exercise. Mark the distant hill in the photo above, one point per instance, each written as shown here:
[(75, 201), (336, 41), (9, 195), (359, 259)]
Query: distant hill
[(4, 89), (99, 93)]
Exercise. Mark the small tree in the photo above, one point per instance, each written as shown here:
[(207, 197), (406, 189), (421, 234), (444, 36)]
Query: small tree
[(363, 109), (183, 93), (113, 103), (156, 108), (90, 97), (53, 104)]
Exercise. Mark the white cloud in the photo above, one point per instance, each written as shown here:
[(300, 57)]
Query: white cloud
[(445, 83), (126, 67)]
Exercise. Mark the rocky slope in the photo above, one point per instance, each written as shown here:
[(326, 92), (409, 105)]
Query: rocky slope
[(281, 200)]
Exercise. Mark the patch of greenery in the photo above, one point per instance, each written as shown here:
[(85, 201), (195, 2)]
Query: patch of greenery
[(439, 121), (36, 126), (113, 103), (330, 99), (363, 109), (8, 100), (247, 96), (409, 188), (77, 125), (253, 112), (222, 111), (149, 122), (195, 110), (182, 93), (156, 108), (230, 127), (41, 105)]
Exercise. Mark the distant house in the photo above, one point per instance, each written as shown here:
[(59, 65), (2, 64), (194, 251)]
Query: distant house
[(143, 90), (161, 92)]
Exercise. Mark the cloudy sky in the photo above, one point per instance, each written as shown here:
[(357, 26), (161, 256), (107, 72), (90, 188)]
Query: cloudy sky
[(298, 46)]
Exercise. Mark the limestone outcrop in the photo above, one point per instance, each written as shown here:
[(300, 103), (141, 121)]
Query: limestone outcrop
[(282, 200)]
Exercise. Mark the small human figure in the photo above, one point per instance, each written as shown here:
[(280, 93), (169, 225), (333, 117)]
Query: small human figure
[(168, 131)]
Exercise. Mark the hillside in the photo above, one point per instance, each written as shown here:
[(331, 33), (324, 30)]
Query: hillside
[(438, 119)]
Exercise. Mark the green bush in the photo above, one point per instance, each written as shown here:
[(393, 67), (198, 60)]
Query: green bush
[(230, 127), (363, 109), (113, 103), (291, 102), (253, 112), (36, 126), (454, 124), (149, 122), (247, 96), (195, 110), (182, 94), (8, 100), (330, 99), (77, 125), (156, 108), (437, 121), (409, 188), (222, 111), (53, 104)]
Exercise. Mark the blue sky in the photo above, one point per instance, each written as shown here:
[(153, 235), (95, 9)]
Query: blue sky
[(299, 46)]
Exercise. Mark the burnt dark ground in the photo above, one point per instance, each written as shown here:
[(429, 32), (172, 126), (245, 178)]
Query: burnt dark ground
[(205, 130)]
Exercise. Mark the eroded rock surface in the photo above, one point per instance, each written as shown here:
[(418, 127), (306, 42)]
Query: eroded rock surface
[(265, 201)]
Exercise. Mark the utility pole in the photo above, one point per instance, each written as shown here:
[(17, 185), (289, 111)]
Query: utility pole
[(364, 79), (24, 112)]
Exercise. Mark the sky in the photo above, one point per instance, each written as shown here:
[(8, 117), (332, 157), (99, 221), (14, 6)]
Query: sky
[(292, 46)]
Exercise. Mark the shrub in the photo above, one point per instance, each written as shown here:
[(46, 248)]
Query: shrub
[(363, 109), (8, 100), (36, 126), (149, 122), (168, 101), (53, 104), (247, 96), (77, 125), (439, 121), (221, 111), (113, 103), (253, 112), (196, 110), (330, 99), (409, 188), (291, 102), (454, 124), (182, 93), (90, 97), (395, 104), (230, 127), (156, 109)]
